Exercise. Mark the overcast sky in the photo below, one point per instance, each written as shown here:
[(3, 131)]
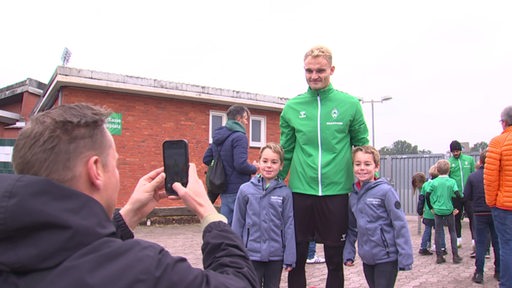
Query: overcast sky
[(447, 64)]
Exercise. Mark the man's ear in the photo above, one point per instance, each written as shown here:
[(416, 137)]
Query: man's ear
[(95, 172)]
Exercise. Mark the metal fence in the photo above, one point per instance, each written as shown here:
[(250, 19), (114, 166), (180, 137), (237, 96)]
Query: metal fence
[(399, 169)]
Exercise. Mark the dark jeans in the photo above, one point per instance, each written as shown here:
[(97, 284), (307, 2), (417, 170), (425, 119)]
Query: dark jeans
[(382, 275), (426, 239), (503, 225), (468, 212), (442, 220), (227, 206), (269, 273), (484, 227)]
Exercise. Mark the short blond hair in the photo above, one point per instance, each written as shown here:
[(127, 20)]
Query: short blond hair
[(367, 149), (443, 167), (433, 171), (274, 147), (319, 51)]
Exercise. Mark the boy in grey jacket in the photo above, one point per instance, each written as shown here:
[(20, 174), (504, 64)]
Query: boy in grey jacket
[(263, 218), (377, 222)]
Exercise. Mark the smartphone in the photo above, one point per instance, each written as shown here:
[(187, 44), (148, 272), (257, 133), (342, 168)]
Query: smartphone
[(175, 164)]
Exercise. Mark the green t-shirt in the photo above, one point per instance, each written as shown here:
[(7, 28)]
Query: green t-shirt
[(442, 190), (426, 212)]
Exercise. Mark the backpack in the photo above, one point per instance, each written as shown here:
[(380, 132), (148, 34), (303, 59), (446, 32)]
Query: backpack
[(216, 176)]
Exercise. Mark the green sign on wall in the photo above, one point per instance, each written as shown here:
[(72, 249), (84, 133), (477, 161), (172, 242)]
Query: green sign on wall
[(115, 123)]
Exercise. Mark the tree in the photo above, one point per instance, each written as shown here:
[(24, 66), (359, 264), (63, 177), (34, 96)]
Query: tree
[(424, 151), (401, 147), (479, 147)]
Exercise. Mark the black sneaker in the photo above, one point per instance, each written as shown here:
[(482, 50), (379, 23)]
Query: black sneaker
[(425, 252), (478, 278), (444, 251), (472, 255), (457, 259), (440, 259)]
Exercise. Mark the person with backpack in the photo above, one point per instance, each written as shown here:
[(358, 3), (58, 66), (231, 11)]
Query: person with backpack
[(56, 212), (231, 143)]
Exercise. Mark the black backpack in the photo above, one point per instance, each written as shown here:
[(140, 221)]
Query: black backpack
[(215, 176)]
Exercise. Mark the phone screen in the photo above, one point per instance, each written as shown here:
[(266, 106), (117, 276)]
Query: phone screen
[(175, 164)]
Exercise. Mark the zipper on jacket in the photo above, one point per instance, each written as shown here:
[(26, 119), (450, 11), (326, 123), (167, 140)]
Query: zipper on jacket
[(248, 236), (461, 175), (384, 241), (319, 144)]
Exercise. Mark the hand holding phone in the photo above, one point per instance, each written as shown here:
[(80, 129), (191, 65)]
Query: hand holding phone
[(176, 164)]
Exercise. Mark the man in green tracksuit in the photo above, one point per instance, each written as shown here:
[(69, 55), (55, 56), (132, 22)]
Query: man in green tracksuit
[(318, 130), (461, 166)]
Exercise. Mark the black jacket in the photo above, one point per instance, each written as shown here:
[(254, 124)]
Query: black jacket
[(474, 192), (54, 236), (234, 154)]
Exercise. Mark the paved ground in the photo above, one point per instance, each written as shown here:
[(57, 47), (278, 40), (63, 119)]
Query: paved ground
[(185, 240)]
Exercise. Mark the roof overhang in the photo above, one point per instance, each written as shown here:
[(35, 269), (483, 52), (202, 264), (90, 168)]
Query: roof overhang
[(66, 76), (9, 118)]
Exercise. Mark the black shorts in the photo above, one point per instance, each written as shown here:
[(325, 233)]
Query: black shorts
[(323, 219)]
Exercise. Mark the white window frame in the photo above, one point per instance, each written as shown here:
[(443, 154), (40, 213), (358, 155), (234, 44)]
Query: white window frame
[(263, 130), (224, 120)]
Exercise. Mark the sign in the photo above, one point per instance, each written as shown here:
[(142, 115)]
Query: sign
[(114, 123)]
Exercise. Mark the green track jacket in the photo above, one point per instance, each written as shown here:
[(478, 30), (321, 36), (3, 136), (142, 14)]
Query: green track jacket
[(318, 130), (460, 168)]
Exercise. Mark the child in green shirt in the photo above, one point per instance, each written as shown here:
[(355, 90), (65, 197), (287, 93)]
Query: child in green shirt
[(440, 195)]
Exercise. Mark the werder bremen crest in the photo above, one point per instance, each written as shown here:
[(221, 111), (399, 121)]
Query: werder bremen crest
[(334, 113)]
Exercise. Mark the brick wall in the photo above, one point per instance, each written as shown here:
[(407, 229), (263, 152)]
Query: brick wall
[(148, 121)]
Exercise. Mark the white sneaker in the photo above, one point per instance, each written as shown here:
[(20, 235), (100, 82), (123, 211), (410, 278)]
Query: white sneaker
[(315, 260), (459, 242)]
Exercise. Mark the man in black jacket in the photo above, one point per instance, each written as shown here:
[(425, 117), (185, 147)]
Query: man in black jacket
[(483, 221), (230, 141), (56, 228)]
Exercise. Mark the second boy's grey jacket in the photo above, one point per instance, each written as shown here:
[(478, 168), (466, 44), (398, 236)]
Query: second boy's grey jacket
[(264, 220), (378, 223)]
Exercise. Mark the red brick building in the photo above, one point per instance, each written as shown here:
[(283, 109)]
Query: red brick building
[(147, 112)]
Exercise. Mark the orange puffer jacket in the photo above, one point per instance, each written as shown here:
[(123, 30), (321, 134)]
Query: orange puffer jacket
[(498, 171)]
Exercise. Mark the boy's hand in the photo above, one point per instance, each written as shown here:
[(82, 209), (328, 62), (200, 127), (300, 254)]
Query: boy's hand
[(455, 211)]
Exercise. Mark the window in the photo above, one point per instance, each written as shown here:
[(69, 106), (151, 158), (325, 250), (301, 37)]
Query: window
[(217, 119), (257, 128), (258, 131)]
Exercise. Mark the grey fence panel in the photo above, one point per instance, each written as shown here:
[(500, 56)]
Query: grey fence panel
[(399, 169)]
